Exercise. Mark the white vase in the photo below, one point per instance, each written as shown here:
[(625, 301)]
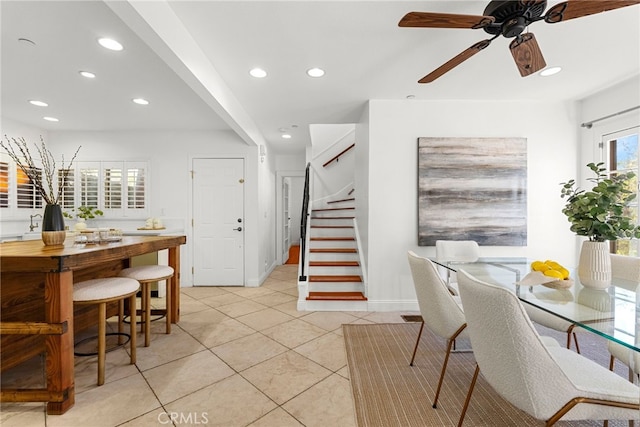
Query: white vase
[(594, 267)]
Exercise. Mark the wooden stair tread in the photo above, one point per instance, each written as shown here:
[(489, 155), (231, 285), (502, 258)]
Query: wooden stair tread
[(331, 217), (343, 200), (334, 250), (334, 264), (342, 278), (333, 239), (337, 296), (332, 209)]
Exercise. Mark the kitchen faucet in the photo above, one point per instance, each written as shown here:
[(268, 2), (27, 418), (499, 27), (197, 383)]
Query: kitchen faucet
[(31, 226)]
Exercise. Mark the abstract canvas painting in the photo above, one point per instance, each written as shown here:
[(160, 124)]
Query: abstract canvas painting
[(472, 189)]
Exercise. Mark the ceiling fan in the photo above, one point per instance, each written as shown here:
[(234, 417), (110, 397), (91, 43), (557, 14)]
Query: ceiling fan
[(509, 19)]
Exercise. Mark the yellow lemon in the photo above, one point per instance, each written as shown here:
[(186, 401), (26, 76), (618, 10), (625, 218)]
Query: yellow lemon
[(554, 273), (564, 271), (553, 264), (539, 266)]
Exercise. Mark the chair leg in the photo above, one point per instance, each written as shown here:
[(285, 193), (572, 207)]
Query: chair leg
[(575, 339), (444, 369), (168, 305), (132, 328), (417, 342), (102, 320), (468, 399), (147, 314), (612, 361), (120, 320)]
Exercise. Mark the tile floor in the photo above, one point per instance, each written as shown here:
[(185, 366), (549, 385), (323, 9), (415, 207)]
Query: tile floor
[(238, 357)]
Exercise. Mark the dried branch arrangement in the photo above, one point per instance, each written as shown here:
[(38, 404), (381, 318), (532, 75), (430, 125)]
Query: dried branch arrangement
[(22, 157)]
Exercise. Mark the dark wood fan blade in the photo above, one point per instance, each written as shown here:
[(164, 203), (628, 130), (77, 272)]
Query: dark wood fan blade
[(455, 61), (578, 8), (444, 20), (527, 55)]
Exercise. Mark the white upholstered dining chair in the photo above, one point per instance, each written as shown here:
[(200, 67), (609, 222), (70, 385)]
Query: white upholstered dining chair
[(440, 310), (626, 268), (452, 251), (548, 383)]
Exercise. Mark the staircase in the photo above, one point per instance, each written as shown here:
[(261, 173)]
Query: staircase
[(335, 274)]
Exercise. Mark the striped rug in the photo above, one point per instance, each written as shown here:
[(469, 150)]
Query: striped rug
[(388, 392)]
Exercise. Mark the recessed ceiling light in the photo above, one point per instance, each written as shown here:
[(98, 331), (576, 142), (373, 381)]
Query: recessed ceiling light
[(140, 101), (87, 74), (550, 71), (411, 96), (315, 72), (258, 73), (286, 136), (38, 103), (110, 44), (51, 119)]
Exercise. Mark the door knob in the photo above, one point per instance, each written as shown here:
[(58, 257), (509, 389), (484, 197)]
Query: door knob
[(238, 229)]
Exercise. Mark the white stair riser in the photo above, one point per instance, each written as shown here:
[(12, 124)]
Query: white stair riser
[(332, 244), (333, 256), (335, 287), (334, 271), (335, 305), (332, 232)]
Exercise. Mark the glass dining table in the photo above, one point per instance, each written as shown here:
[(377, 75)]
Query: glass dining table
[(612, 313)]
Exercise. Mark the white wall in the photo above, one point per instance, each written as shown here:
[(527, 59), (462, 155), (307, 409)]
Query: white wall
[(390, 219)]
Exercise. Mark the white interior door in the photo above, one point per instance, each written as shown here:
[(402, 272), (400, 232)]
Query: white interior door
[(218, 222)]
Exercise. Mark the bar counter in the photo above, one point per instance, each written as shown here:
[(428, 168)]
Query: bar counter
[(37, 313)]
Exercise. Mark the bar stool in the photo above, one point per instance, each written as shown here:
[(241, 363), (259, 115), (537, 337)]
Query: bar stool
[(145, 275), (101, 292)]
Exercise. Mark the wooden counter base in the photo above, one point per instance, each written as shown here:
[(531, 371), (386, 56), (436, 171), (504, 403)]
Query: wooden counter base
[(38, 316)]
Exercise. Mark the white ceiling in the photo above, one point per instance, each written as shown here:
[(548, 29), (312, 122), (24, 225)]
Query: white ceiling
[(191, 60)]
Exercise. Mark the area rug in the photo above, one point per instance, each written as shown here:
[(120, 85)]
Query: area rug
[(388, 392)]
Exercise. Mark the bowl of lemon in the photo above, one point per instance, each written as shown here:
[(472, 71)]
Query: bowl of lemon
[(548, 273)]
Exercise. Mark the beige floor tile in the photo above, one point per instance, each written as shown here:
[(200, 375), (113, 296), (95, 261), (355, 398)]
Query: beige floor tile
[(166, 348), (181, 377), (22, 414), (227, 403), (291, 308), (285, 376), (276, 418), (329, 320), (190, 305), (199, 292), (109, 405), (386, 317), (248, 351), (279, 285), (117, 366), (327, 350), (264, 319), (328, 403), (252, 293), (157, 417), (274, 298), (283, 273), (221, 332), (240, 308), (223, 299), (294, 333), (344, 372), (293, 291)]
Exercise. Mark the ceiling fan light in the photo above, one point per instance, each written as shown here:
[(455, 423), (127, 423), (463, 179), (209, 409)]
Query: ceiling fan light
[(550, 71)]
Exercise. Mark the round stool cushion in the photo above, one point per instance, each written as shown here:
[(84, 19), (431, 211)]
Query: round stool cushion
[(145, 273), (106, 288)]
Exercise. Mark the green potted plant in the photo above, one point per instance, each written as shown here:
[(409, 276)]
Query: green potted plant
[(83, 213), (600, 215)]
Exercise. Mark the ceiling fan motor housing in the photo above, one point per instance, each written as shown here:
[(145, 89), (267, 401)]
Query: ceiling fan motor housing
[(512, 17)]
